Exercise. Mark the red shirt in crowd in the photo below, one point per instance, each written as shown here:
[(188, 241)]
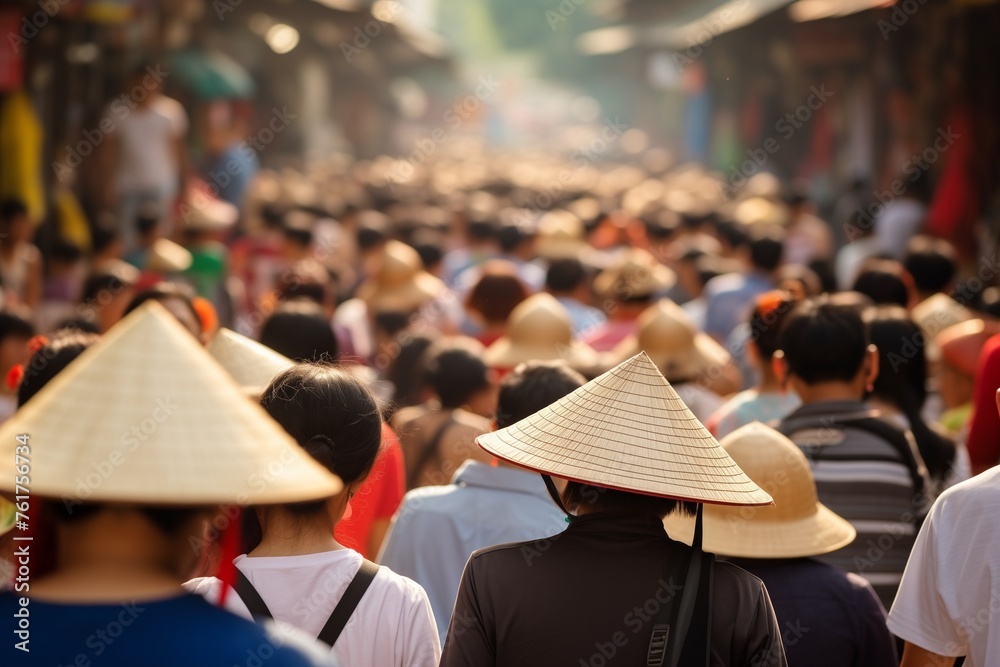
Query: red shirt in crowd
[(984, 425)]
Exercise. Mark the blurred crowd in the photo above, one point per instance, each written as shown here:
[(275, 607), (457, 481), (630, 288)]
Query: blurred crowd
[(468, 290)]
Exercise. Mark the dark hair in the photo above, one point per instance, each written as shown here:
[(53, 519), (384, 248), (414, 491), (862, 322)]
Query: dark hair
[(403, 374), (306, 279), (454, 369), (600, 499), (428, 246), (64, 251), (511, 234), (49, 360), (300, 330), (565, 275), (770, 311), (372, 229), (931, 262), (767, 245), (97, 284), (732, 233), (102, 236), (14, 325), (481, 230), (297, 232), (147, 218), (824, 342), (497, 292), (902, 381), (166, 291), (883, 282), (10, 209), (532, 386)]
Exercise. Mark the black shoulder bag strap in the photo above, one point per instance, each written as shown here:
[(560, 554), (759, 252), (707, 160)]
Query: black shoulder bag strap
[(251, 598), (430, 449), (341, 613), (684, 629), (348, 603)]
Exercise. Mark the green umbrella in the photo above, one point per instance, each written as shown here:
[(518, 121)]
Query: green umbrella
[(212, 75)]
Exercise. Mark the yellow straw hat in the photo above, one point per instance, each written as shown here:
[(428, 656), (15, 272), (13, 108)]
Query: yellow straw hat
[(627, 429), (146, 416), (796, 526), (251, 364), (681, 352), (400, 283), (636, 274), (539, 328)]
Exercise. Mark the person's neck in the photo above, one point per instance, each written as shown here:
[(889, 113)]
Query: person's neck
[(768, 381), (825, 392), (287, 534), (115, 556)]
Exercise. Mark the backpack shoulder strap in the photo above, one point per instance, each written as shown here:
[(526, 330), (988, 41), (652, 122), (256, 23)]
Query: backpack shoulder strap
[(348, 603), (251, 598), (428, 452)]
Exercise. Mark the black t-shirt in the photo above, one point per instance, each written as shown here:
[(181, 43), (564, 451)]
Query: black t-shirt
[(184, 630), (588, 596)]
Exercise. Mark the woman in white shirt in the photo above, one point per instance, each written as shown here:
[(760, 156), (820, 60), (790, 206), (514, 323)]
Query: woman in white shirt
[(293, 568)]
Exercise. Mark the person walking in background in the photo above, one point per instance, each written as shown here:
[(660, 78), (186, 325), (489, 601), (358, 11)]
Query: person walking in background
[(438, 527), (20, 260)]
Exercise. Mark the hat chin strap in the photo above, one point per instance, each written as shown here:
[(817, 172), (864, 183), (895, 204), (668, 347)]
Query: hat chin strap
[(550, 486), (696, 540)]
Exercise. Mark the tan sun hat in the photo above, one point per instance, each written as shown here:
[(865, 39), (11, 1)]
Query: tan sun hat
[(539, 328), (637, 273), (251, 364), (960, 344), (796, 526), (165, 256), (147, 416), (628, 430), (935, 314), (666, 333), (400, 283), (560, 236), (204, 213)]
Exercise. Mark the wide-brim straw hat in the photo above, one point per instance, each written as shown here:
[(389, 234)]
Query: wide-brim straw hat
[(636, 274), (628, 430), (250, 363), (146, 416), (681, 352), (165, 256), (400, 284), (560, 236), (204, 213), (540, 329), (796, 526), (935, 314)]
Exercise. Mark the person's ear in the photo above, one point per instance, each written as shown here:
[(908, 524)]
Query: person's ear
[(780, 366), (998, 399), (872, 373)]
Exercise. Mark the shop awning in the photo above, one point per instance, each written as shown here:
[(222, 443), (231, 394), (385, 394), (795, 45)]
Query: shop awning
[(212, 75)]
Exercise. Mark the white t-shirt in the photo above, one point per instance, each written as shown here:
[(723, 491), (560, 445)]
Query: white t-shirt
[(393, 624), (146, 138), (949, 600)]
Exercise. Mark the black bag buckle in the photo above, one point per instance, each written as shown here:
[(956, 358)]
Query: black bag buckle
[(658, 646)]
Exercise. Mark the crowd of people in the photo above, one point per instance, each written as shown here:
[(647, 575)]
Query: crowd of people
[(491, 410)]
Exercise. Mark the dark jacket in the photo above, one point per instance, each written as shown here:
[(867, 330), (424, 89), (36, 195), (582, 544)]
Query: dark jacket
[(587, 597)]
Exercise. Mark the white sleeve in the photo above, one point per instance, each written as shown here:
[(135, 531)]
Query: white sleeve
[(423, 645), (919, 614)]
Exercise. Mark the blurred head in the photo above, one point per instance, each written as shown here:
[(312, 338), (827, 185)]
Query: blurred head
[(826, 343), (404, 371), (766, 247), (532, 386), (300, 330), (932, 263), (50, 359), (567, 277), (454, 370), (15, 332), (497, 292), (769, 313), (106, 240), (176, 298), (885, 282), (104, 299), (15, 222)]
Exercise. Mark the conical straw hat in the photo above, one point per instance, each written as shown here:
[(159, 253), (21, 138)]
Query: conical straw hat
[(401, 284), (147, 416), (165, 256), (627, 430), (797, 526), (251, 364), (638, 273), (539, 329)]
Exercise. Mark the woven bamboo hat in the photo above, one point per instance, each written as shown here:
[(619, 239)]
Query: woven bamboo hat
[(539, 328), (666, 333), (251, 364), (400, 284), (560, 236), (627, 429), (147, 416), (165, 256), (636, 274), (796, 526)]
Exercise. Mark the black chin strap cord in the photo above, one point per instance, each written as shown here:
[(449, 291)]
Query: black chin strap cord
[(554, 493), (696, 540)]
